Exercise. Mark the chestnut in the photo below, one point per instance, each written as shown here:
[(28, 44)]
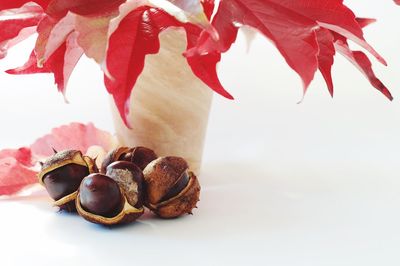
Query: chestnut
[(171, 189), (100, 195), (112, 198), (141, 156), (61, 175)]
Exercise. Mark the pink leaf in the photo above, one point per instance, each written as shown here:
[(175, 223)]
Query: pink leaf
[(22, 155), (17, 167), (73, 136), (14, 176)]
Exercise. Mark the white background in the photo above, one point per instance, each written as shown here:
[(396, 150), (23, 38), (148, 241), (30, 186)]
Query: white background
[(315, 183)]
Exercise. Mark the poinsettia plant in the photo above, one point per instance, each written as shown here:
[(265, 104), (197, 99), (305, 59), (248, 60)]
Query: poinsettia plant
[(119, 34)]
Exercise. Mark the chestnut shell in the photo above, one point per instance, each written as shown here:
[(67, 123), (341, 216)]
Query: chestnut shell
[(141, 156), (128, 178), (171, 190), (61, 175), (64, 180)]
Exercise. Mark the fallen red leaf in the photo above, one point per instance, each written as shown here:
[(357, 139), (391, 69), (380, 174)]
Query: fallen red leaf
[(18, 167), (73, 136), (22, 155), (14, 176)]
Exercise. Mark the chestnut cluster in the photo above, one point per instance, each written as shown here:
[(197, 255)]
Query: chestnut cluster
[(128, 180)]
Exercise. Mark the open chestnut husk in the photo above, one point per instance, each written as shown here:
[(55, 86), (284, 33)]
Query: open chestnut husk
[(61, 175), (112, 198), (141, 156), (171, 189)]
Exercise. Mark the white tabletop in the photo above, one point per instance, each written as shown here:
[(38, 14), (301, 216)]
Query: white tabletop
[(313, 184)]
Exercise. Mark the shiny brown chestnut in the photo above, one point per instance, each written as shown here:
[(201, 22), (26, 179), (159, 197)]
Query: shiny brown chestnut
[(113, 198), (141, 156), (61, 175), (171, 189), (100, 195)]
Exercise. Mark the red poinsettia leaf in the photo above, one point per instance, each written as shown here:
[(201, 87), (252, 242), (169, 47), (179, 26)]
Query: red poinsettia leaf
[(23, 34), (208, 7), (397, 2), (292, 33), (73, 136), (205, 68), (187, 11), (72, 56), (52, 34), (9, 4), (59, 8), (15, 20), (22, 155), (361, 61), (326, 56), (223, 22), (332, 15), (54, 63), (18, 24), (363, 22), (61, 63), (14, 176), (93, 35), (136, 37)]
